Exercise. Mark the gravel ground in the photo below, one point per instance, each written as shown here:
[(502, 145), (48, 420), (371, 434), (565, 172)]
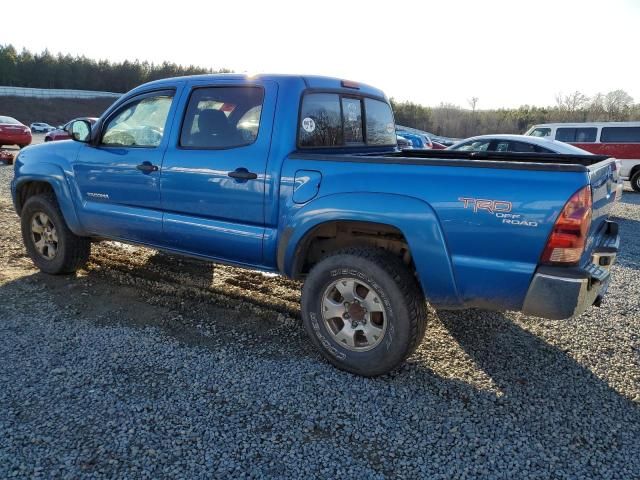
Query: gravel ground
[(148, 366)]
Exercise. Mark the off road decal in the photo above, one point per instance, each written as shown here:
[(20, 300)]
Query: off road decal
[(501, 209)]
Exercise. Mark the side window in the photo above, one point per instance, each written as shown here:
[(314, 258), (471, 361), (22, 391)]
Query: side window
[(620, 135), (222, 117), (502, 146), (475, 146), (140, 123), (320, 121), (522, 147), (543, 150), (566, 134), (381, 129), (577, 135), (586, 135)]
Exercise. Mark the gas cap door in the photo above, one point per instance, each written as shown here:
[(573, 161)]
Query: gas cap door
[(306, 185)]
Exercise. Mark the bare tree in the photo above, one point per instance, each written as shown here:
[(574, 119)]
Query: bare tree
[(473, 103), (617, 103), (571, 103)]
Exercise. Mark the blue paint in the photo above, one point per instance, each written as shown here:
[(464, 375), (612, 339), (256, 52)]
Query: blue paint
[(191, 205)]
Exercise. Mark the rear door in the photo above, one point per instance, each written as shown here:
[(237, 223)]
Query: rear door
[(213, 179)]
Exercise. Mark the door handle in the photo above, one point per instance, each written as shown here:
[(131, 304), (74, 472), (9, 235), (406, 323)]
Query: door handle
[(242, 174), (147, 167)]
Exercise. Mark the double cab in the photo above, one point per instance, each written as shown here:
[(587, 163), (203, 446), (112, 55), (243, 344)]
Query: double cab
[(301, 175)]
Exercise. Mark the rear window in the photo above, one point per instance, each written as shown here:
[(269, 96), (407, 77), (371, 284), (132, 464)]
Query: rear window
[(332, 120), (577, 135), (9, 121), (352, 113), (381, 129), (620, 135)]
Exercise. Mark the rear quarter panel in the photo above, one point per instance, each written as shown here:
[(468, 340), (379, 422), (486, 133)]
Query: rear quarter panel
[(492, 258)]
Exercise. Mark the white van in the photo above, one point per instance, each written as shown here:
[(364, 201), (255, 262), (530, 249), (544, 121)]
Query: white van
[(615, 139)]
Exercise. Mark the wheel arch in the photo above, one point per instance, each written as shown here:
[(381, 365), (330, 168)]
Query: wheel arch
[(382, 220), (47, 178)]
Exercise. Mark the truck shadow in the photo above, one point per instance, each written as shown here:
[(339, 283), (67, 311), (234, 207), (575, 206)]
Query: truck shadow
[(547, 396)]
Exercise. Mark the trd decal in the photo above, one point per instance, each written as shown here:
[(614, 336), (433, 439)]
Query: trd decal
[(490, 205), (499, 208)]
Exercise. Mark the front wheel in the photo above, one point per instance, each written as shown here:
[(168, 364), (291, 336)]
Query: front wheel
[(51, 245), (364, 310), (635, 181)]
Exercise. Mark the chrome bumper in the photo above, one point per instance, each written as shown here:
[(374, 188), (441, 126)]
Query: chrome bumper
[(562, 292)]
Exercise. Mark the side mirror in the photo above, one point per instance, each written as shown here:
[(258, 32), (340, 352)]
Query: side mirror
[(80, 130)]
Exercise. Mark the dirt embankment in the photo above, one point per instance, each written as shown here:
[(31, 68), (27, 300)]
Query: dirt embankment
[(54, 111)]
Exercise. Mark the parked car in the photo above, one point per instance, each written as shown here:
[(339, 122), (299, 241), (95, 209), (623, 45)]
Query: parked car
[(446, 141), (373, 231), (515, 143), (61, 132), (417, 140), (39, 127), (528, 144), (615, 139), (403, 143), (13, 132)]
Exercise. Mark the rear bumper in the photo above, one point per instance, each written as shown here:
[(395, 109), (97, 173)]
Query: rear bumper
[(20, 138), (560, 292)]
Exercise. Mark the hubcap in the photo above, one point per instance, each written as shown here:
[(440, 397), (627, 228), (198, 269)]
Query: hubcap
[(44, 235), (354, 314)]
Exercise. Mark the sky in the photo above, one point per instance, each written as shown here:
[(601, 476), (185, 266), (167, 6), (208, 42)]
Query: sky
[(506, 53)]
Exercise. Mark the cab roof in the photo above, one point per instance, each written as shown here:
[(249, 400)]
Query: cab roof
[(309, 81)]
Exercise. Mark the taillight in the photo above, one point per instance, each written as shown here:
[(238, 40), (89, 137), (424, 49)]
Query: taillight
[(569, 235)]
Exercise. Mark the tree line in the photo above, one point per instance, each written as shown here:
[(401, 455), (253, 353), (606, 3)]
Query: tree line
[(45, 70), (454, 121)]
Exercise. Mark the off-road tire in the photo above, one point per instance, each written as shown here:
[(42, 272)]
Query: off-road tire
[(393, 283), (72, 251), (635, 181)]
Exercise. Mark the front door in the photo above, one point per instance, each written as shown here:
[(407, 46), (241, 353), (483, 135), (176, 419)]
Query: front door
[(119, 178), (213, 179)]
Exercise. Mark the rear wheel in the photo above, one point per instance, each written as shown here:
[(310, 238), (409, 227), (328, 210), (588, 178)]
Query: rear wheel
[(51, 245), (364, 310), (635, 181)]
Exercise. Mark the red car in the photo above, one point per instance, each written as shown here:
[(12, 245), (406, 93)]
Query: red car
[(61, 133), (12, 132)]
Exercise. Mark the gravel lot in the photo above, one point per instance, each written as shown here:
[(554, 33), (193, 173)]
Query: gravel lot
[(148, 366)]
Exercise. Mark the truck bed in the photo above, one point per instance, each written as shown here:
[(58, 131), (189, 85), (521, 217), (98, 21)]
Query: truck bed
[(454, 158)]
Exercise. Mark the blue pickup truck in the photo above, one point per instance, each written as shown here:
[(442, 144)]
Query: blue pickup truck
[(301, 175)]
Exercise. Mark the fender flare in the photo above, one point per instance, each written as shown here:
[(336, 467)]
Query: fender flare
[(53, 175), (413, 217)]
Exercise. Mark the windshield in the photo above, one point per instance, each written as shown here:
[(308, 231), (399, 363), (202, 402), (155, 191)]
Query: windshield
[(540, 132)]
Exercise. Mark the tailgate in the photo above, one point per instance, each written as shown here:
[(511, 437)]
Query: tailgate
[(605, 184)]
